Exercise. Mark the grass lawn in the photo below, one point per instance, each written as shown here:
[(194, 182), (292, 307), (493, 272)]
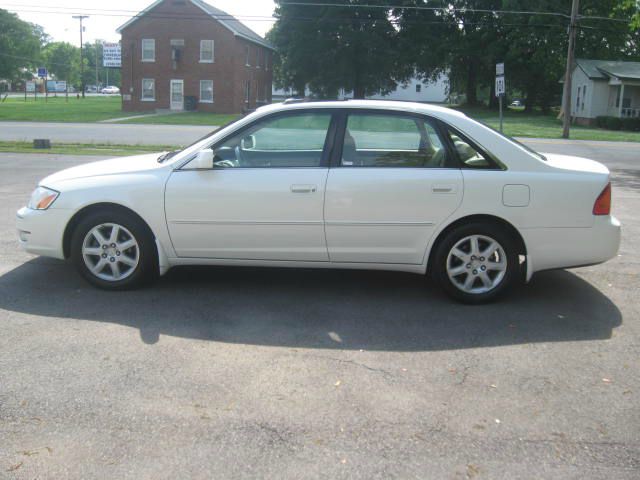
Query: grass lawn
[(91, 109), (187, 118), (537, 125), (84, 149)]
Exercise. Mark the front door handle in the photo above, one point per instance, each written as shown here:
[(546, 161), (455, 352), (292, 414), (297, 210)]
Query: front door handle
[(303, 188), (443, 188)]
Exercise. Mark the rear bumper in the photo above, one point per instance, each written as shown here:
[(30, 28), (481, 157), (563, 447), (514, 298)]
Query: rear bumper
[(41, 231), (550, 248)]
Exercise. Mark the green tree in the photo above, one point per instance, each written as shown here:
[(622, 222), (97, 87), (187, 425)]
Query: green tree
[(467, 37), (63, 61), (354, 47), (20, 44)]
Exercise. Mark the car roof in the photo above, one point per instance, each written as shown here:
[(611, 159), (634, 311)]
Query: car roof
[(428, 109)]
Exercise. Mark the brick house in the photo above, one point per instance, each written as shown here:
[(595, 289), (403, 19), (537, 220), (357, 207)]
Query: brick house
[(176, 49)]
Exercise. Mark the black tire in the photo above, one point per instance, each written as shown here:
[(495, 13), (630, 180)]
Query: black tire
[(503, 284), (146, 269)]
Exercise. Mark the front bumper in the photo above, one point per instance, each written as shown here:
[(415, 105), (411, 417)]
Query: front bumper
[(550, 248), (41, 231)]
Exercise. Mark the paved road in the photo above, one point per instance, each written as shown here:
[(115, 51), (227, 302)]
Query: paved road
[(249, 373), (120, 134)]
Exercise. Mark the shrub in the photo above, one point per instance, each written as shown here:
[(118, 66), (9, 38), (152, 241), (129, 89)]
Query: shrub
[(615, 123)]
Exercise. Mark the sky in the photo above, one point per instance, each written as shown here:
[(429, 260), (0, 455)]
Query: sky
[(106, 16)]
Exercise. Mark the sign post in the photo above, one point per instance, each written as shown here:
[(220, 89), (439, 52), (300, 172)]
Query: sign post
[(42, 73), (500, 87)]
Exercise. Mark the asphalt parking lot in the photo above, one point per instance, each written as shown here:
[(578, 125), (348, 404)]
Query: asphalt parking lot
[(269, 373)]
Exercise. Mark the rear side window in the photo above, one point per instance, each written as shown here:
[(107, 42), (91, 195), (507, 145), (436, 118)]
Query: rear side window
[(469, 155), (386, 140)]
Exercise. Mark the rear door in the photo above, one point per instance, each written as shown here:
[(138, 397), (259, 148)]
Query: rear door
[(264, 198), (392, 182)]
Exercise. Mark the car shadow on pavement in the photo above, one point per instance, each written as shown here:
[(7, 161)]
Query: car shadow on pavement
[(326, 309)]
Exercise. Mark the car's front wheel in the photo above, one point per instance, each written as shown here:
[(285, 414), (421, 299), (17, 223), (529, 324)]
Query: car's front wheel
[(476, 263), (114, 250)]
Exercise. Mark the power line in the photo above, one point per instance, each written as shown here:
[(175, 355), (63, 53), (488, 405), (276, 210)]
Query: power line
[(449, 9), (34, 8)]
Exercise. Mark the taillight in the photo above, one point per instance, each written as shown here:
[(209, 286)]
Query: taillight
[(603, 202)]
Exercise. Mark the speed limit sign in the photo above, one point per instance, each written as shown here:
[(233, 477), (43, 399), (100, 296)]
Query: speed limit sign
[(500, 87)]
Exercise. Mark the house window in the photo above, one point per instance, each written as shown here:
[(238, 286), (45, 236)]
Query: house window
[(148, 90), (266, 60), (258, 59), (246, 55), (206, 91), (584, 95), (247, 91), (206, 51), (418, 88), (148, 50)]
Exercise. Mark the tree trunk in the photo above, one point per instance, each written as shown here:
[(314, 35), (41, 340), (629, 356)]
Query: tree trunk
[(358, 92), (532, 97), (472, 83)]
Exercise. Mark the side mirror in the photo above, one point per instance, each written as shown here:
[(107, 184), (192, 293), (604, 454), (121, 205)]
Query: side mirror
[(248, 143), (203, 160)]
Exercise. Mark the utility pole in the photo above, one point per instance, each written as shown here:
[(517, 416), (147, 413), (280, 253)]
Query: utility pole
[(81, 17), (96, 66), (566, 97)]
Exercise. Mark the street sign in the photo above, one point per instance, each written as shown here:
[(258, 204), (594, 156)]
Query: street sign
[(111, 55), (42, 72), (500, 87), (30, 87), (499, 69)]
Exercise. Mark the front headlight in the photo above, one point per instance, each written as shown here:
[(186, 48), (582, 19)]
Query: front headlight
[(42, 198)]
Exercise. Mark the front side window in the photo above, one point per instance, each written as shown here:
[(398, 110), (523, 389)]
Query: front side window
[(206, 91), (383, 140), (148, 50), (148, 89), (295, 140), (467, 154), (247, 91), (206, 51), (246, 55)]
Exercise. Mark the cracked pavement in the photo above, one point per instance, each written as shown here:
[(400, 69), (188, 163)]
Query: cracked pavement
[(269, 373)]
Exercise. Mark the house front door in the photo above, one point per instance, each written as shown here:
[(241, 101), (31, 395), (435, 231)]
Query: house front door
[(177, 95)]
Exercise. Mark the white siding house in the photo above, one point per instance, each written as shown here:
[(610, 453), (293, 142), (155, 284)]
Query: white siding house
[(415, 90), (601, 87)]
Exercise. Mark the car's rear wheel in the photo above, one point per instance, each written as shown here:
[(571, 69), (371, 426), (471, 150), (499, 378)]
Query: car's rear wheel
[(476, 263), (114, 250)]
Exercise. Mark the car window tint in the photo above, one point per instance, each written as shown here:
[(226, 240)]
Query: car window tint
[(379, 140), (295, 140), (467, 154)]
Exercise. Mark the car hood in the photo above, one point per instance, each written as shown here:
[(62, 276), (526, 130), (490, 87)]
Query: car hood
[(116, 166), (576, 164)]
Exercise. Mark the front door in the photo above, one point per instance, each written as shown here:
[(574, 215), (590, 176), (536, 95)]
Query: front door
[(264, 198), (177, 95), (392, 187)]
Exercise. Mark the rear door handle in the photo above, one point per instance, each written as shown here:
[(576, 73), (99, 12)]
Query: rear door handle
[(303, 188)]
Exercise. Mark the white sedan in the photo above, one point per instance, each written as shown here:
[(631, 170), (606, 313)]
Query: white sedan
[(110, 90), (355, 184)]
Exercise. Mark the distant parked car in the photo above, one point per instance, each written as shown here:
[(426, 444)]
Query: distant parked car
[(91, 89), (516, 103), (358, 184), (110, 90)]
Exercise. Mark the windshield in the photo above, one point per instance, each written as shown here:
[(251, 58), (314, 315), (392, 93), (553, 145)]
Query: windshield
[(168, 155)]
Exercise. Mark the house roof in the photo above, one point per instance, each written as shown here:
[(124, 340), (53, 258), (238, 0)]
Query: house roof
[(231, 23), (605, 69)]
